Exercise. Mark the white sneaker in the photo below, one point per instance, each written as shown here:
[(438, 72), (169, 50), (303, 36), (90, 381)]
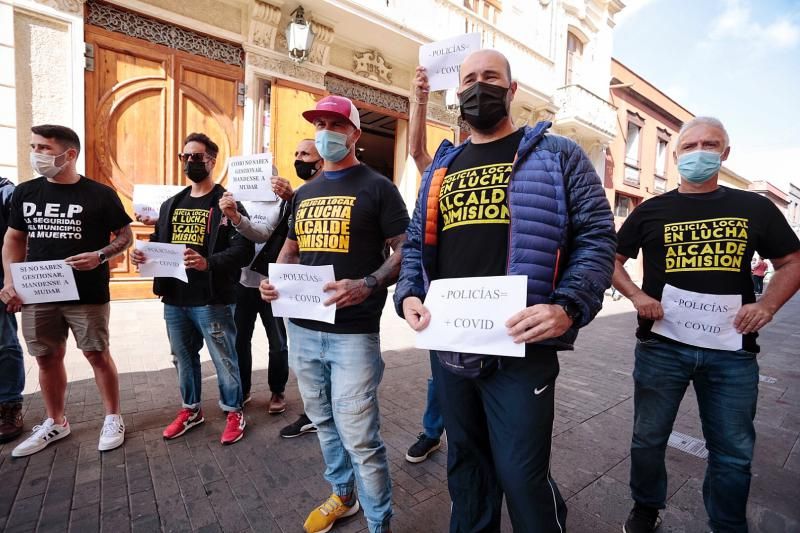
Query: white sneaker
[(113, 433), (43, 435)]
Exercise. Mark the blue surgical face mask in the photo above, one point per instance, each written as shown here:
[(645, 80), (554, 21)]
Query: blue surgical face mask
[(699, 166), (331, 145)]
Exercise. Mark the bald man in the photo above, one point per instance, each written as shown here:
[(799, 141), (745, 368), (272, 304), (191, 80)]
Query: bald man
[(545, 216)]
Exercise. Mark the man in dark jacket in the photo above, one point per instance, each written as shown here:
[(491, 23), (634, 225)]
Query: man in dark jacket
[(546, 217), (12, 368), (202, 309)]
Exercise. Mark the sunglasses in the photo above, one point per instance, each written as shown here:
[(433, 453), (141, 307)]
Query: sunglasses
[(196, 157)]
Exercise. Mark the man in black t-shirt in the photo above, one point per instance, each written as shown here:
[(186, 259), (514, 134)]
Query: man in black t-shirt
[(202, 309), (345, 218), (508, 201), (65, 216), (698, 322)]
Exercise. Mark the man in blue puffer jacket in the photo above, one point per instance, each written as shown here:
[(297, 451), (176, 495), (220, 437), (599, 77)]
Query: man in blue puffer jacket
[(507, 201)]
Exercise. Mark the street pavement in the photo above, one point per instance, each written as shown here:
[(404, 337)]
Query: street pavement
[(268, 484)]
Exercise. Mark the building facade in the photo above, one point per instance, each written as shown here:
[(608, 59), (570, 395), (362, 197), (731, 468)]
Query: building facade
[(133, 77)]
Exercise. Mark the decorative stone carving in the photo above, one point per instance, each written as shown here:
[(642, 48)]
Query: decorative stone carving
[(365, 93), (441, 114), (134, 25), (320, 49), (70, 6), (543, 113), (265, 24), (372, 65), (287, 68)]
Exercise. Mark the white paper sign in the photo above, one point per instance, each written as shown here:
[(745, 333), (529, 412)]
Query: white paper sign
[(704, 320), (300, 293), (164, 260), (147, 199), (263, 213), (44, 281), (249, 177), (442, 59), (469, 315)]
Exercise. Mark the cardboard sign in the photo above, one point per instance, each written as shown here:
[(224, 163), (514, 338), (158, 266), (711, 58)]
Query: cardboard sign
[(300, 293), (249, 177), (44, 281), (469, 315), (442, 59), (164, 260), (147, 199)]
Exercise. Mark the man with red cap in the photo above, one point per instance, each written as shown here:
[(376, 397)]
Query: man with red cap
[(345, 218)]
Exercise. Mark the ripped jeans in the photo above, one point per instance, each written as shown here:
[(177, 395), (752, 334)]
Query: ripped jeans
[(187, 328), (338, 376)]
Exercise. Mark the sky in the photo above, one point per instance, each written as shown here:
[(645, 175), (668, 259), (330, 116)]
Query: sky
[(737, 60)]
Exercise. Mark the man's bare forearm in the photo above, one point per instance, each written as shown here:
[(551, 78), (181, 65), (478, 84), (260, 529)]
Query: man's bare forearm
[(389, 271), (621, 280), (785, 282), (290, 253), (123, 238), (14, 247)]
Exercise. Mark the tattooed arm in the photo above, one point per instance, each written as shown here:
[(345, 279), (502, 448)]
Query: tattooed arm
[(123, 238), (354, 291)]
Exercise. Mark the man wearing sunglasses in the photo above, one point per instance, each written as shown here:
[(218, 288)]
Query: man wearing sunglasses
[(202, 309)]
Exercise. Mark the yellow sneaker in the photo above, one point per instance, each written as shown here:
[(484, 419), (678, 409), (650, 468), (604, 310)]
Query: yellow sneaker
[(322, 518)]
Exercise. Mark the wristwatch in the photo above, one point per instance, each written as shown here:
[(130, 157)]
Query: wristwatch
[(370, 281), (103, 257), (571, 310)]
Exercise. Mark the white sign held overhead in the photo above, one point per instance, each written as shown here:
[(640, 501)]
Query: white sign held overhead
[(147, 199), (469, 315), (300, 293), (44, 281), (704, 320), (249, 177), (442, 59), (164, 260)]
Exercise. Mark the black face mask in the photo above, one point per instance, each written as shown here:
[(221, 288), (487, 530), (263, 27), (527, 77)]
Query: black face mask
[(483, 105), (304, 169), (195, 171)]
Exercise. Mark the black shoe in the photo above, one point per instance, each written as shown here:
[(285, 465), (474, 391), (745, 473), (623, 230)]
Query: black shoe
[(421, 449), (642, 520), (301, 426), (10, 421)]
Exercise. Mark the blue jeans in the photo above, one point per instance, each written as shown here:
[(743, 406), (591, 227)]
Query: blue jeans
[(432, 423), (338, 377), (726, 384), (12, 367), (187, 328)]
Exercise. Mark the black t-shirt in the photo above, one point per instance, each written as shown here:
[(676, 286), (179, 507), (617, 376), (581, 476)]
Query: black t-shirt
[(473, 210), (704, 243), (343, 219), (189, 225), (63, 220)]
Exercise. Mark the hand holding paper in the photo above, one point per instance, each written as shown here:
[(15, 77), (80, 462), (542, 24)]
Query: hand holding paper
[(442, 59), (249, 177), (469, 315), (300, 291), (44, 281), (161, 260)]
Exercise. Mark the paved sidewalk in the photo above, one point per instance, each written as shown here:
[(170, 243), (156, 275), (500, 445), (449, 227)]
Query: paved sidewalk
[(265, 483)]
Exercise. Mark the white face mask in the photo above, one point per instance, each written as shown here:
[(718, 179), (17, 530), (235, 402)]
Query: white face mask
[(45, 164)]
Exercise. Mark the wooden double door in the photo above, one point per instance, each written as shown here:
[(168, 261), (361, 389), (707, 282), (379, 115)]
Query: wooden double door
[(141, 102)]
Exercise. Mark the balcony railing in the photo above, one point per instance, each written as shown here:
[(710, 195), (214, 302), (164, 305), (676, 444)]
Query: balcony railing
[(442, 19), (582, 106)]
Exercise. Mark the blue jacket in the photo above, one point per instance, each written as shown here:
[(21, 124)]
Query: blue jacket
[(561, 233)]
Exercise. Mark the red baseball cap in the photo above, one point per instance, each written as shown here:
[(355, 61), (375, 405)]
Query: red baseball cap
[(337, 106)]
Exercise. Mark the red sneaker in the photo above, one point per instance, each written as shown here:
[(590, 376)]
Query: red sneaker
[(234, 428), (186, 420)]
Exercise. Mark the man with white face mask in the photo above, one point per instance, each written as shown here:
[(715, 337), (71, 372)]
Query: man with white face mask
[(345, 218), (63, 215), (699, 320)]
